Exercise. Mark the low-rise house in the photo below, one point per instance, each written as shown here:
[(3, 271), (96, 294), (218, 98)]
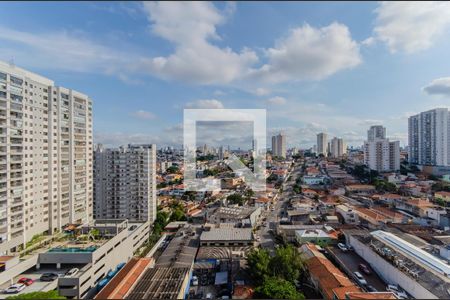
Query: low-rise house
[(224, 235), (360, 188), (443, 196), (387, 198), (348, 214), (313, 180), (236, 215), (315, 236)]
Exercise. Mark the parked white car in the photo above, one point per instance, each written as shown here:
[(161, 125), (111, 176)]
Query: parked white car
[(342, 247), (398, 292), (194, 280), (72, 272), (360, 278), (15, 288)]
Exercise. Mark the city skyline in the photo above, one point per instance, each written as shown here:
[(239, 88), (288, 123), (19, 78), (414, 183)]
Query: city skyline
[(144, 76)]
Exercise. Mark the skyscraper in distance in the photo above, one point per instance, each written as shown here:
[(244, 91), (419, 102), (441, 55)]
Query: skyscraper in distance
[(376, 132), (322, 144), (429, 138), (380, 154), (279, 145)]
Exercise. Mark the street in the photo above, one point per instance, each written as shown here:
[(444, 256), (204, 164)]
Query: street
[(272, 216)]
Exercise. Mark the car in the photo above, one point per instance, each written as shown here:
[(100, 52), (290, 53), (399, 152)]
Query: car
[(342, 247), (72, 272), (397, 291), (48, 277), (364, 268), (360, 278), (371, 289), (26, 281), (15, 288), (194, 280)]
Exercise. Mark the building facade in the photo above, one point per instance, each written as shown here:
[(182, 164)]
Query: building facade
[(337, 147), (279, 145), (376, 132), (380, 154), (125, 183), (45, 157), (429, 138), (322, 143)]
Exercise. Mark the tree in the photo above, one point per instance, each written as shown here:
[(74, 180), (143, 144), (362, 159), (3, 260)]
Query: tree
[(38, 295), (277, 288), (235, 199), (177, 215), (94, 233), (287, 263), (258, 264), (172, 170)]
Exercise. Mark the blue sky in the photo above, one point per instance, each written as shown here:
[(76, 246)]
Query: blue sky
[(332, 67)]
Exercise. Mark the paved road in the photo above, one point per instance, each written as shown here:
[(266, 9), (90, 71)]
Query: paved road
[(351, 260), (273, 216)]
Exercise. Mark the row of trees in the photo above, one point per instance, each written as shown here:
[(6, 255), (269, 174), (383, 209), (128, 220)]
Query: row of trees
[(276, 276)]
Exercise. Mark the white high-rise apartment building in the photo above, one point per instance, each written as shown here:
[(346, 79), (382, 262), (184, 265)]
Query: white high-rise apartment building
[(376, 132), (322, 144), (125, 183), (45, 157), (380, 154), (279, 145), (337, 147), (429, 138)]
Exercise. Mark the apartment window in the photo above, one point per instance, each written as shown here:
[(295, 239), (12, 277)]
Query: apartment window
[(16, 81), (2, 76)]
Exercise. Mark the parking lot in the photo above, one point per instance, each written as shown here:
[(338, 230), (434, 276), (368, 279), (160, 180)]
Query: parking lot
[(37, 284), (349, 261)]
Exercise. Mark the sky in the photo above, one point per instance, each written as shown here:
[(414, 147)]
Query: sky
[(334, 67)]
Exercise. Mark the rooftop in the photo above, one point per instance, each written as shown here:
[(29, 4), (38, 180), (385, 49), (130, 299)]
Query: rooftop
[(227, 234)]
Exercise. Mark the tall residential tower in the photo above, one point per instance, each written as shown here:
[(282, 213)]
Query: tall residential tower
[(429, 138), (45, 156), (125, 183), (279, 145), (322, 144), (380, 154)]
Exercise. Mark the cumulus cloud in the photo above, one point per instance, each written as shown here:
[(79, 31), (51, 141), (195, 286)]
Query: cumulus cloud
[(306, 53), (411, 26), (191, 26), (205, 103), (277, 100), (310, 53), (144, 115), (439, 86)]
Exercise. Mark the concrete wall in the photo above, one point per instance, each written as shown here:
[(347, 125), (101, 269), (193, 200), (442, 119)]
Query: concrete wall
[(388, 272), (117, 250)]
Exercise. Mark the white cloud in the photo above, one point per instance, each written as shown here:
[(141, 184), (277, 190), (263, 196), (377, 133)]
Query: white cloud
[(261, 92), (439, 86), (74, 51), (219, 93), (190, 26), (310, 53), (277, 100), (205, 103), (144, 115), (411, 26)]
